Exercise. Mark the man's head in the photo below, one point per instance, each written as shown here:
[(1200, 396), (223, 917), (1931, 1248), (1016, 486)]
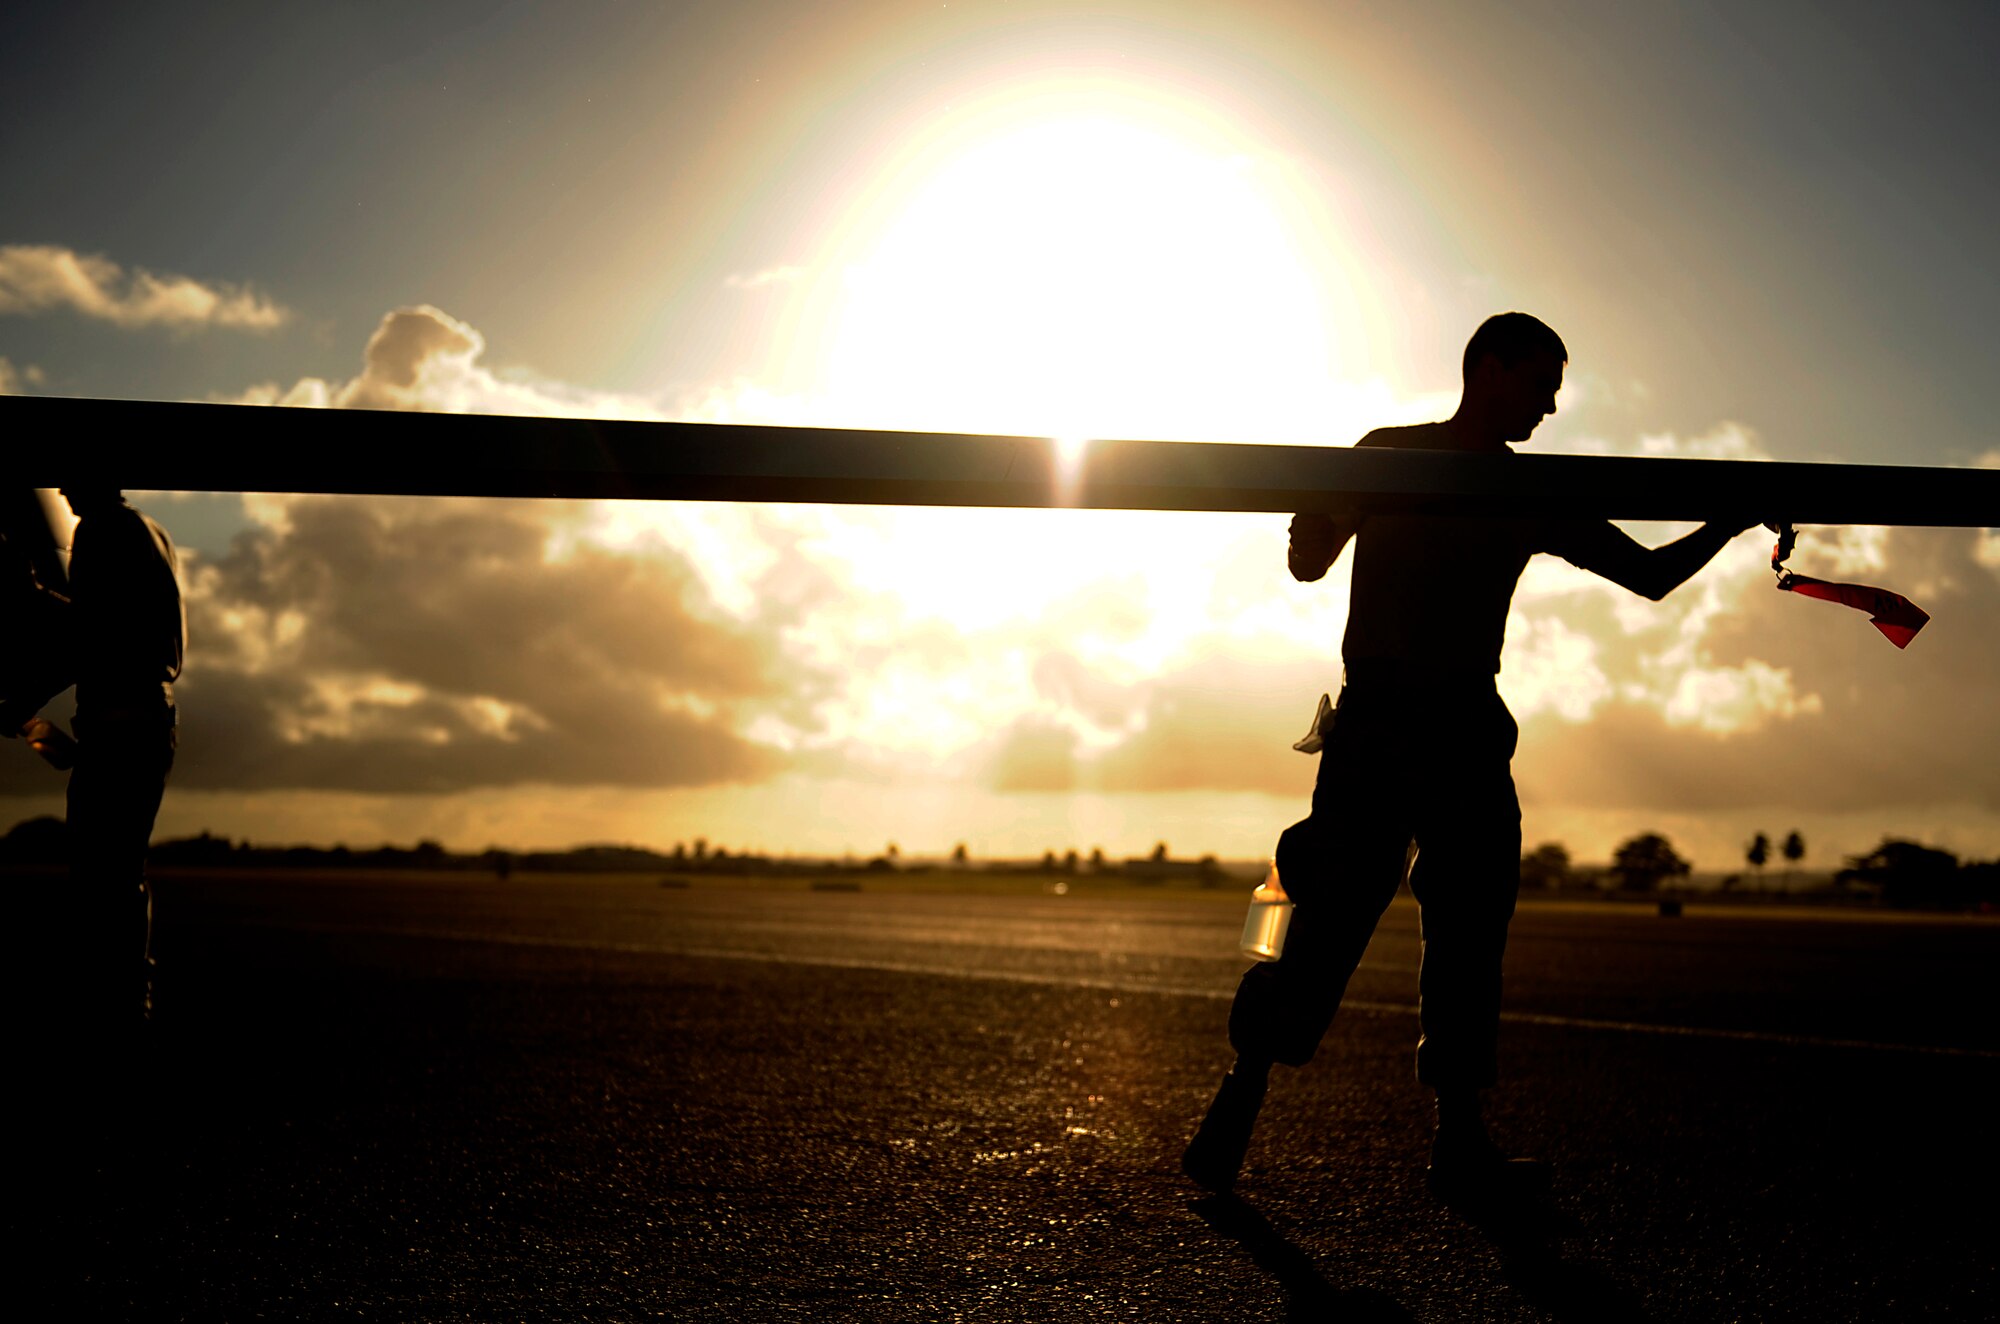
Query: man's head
[(1513, 368)]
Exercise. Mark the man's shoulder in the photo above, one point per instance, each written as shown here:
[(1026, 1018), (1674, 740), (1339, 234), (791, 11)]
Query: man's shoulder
[(1412, 436), (123, 522), (129, 529)]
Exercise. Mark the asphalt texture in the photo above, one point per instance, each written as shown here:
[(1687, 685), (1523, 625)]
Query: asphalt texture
[(438, 1097)]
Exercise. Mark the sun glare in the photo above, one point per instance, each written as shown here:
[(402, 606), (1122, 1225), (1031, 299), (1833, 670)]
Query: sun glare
[(1068, 453), (1078, 264)]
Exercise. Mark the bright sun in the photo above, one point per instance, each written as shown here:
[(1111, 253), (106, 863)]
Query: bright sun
[(1075, 273)]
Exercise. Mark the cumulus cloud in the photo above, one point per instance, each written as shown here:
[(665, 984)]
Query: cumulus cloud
[(1987, 551), (423, 358), (1221, 723), (1724, 700), (16, 381), (1731, 698), (1726, 441), (376, 646), (396, 646), (39, 278), (1222, 719), (1552, 665), (1840, 721)]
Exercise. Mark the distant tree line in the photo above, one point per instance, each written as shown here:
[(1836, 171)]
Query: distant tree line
[(1901, 873), (41, 842)]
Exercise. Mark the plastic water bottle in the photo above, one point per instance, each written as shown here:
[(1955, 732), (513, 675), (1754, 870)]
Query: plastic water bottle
[(51, 742), (1270, 915)]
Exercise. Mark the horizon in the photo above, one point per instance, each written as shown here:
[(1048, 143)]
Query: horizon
[(699, 853)]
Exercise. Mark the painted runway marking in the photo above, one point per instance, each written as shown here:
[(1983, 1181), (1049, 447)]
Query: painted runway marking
[(1052, 980)]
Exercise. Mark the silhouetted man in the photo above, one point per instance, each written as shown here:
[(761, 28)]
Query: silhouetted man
[(1417, 751), (128, 633)]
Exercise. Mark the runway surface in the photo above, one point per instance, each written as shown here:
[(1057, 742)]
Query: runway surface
[(440, 1097)]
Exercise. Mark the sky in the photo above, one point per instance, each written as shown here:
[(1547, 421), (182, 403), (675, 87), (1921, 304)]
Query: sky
[(1763, 232)]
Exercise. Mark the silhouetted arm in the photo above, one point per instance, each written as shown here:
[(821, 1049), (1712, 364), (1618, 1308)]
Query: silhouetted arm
[(1652, 572), (1316, 543)]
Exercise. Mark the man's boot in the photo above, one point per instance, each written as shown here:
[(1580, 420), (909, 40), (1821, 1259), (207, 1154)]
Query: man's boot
[(1466, 1165), (1215, 1156)]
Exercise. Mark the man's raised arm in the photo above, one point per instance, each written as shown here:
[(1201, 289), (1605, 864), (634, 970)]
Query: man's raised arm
[(1652, 572)]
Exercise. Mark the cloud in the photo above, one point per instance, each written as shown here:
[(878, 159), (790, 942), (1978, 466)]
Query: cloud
[(398, 646), (1725, 700), (1222, 724), (1837, 719), (1034, 754), (389, 646), (15, 381), (1724, 441), (39, 278), (423, 358), (1223, 719)]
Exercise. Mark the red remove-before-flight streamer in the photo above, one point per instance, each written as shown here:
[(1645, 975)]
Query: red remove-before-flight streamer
[(1894, 615)]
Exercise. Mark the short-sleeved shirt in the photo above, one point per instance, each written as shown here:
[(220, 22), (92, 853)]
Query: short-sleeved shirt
[(1435, 591), (131, 627)]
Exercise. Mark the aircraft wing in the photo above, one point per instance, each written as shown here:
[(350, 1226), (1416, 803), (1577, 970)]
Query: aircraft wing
[(243, 448)]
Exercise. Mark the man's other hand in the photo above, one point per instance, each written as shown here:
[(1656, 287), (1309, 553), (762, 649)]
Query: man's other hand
[(1316, 541)]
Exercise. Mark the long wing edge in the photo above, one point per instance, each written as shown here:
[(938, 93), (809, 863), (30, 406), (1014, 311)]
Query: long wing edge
[(243, 448)]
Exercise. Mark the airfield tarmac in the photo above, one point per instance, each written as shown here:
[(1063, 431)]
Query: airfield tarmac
[(442, 1097)]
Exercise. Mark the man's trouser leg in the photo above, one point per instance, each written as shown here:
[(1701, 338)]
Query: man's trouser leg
[(1341, 867), (114, 796), (1465, 879)]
